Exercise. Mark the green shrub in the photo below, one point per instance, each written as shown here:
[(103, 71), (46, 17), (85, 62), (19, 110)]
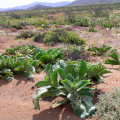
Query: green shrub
[(18, 26), (92, 29), (38, 37), (83, 22), (71, 17), (25, 35), (108, 25), (61, 35), (108, 107), (100, 12), (73, 38), (55, 36)]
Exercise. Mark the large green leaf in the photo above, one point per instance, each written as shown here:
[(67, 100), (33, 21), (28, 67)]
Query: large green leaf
[(59, 103), (30, 68), (85, 92), (42, 83), (114, 55), (70, 77), (70, 69), (68, 85), (35, 63), (61, 73), (54, 79), (45, 58), (41, 92), (82, 70), (60, 91), (83, 109), (81, 84)]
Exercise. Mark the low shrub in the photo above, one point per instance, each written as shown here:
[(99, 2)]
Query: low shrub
[(38, 37), (108, 107), (73, 38), (83, 22), (17, 26), (55, 36), (75, 52), (92, 29), (59, 35), (25, 35)]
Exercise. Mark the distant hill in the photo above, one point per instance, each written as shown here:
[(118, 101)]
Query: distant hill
[(36, 7), (36, 4), (90, 2)]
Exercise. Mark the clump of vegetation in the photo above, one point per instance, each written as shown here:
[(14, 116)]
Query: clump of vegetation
[(70, 81), (17, 26), (25, 35), (38, 37), (6, 74), (26, 60), (59, 35), (99, 12), (75, 52), (99, 50), (92, 29), (108, 25), (114, 59), (83, 22), (73, 38), (108, 107), (71, 17)]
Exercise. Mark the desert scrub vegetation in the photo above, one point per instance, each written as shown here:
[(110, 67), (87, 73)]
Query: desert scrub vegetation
[(26, 60), (25, 35), (83, 22), (108, 107), (80, 16), (73, 52), (113, 59), (92, 29), (59, 35), (38, 37), (102, 50)]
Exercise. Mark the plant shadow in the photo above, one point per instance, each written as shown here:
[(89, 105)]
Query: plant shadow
[(49, 99), (60, 113), (3, 82), (96, 93), (20, 79)]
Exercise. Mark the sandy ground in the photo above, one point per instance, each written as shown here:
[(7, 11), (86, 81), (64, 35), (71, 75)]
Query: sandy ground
[(16, 96)]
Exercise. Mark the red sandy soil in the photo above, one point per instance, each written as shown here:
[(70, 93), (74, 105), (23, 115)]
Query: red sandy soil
[(16, 96)]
